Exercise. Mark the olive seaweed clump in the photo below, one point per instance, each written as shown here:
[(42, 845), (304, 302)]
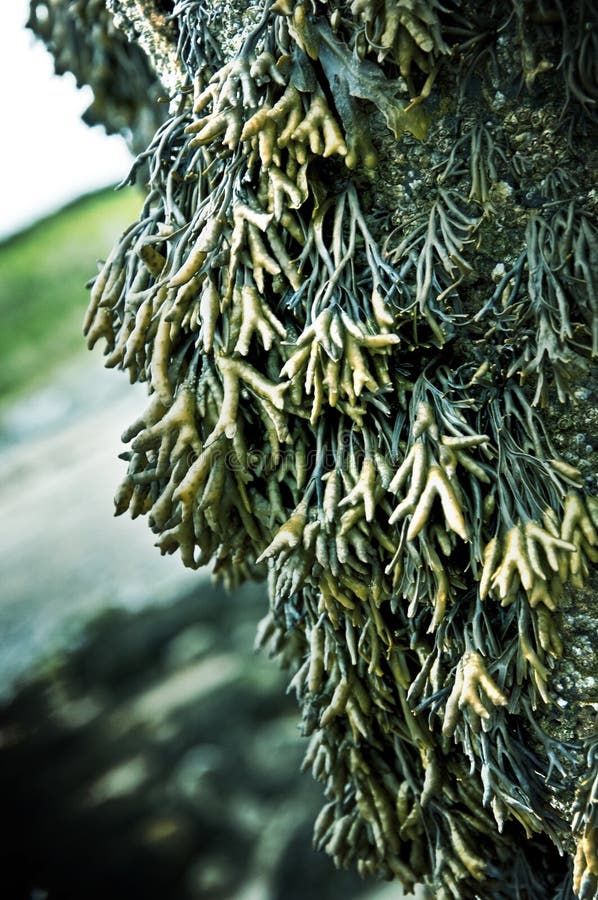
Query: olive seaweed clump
[(348, 397), (83, 39)]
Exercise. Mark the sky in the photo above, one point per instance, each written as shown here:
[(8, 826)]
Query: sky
[(47, 155)]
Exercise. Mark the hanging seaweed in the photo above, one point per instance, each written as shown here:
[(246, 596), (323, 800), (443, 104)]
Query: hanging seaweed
[(347, 396)]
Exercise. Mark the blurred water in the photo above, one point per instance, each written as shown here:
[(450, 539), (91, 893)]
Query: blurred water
[(63, 556)]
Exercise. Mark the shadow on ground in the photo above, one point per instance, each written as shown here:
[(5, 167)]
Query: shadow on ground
[(160, 759)]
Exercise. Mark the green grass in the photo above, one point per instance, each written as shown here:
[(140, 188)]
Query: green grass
[(43, 272)]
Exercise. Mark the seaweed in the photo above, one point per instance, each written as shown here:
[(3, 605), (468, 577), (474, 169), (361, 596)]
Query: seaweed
[(338, 410)]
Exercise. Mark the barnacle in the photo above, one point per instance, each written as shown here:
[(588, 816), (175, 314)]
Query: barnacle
[(340, 400)]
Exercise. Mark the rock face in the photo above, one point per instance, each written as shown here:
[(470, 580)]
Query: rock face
[(362, 285)]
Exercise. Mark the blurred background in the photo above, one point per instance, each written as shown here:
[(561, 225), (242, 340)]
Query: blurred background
[(145, 749)]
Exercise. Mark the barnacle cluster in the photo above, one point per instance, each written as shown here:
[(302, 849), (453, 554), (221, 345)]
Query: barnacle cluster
[(349, 401)]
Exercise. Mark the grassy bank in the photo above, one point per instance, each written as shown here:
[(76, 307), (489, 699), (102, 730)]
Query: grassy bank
[(43, 272)]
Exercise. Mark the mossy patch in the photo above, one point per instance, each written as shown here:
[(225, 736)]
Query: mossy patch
[(43, 272)]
